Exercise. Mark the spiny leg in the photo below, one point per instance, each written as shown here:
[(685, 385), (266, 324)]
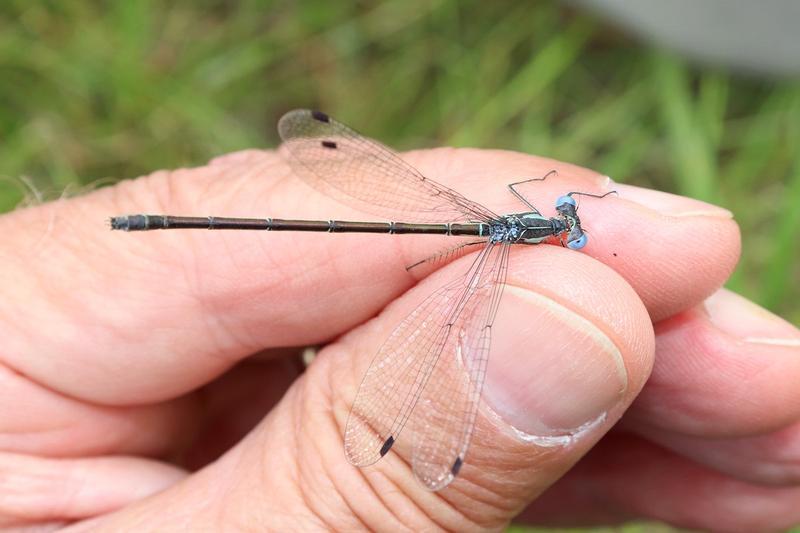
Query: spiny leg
[(521, 197), (576, 193), (591, 195)]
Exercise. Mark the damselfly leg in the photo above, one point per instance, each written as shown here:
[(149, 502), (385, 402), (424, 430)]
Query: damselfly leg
[(520, 196)]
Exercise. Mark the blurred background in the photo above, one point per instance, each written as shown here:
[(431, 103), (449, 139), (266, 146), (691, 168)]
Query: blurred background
[(703, 102)]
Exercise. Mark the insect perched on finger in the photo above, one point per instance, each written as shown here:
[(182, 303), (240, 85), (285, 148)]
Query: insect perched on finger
[(432, 366)]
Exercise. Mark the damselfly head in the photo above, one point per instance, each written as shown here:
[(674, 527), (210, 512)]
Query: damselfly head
[(568, 208)]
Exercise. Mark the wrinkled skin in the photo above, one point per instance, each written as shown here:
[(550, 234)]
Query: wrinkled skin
[(127, 364)]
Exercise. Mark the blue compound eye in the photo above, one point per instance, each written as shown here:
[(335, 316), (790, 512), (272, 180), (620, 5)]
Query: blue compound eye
[(565, 200), (578, 243)]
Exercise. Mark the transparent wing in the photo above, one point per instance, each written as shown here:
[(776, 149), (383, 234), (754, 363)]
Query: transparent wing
[(444, 417), (363, 173), (404, 364)]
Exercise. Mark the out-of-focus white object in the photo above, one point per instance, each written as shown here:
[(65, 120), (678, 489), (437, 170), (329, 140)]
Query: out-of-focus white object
[(755, 36)]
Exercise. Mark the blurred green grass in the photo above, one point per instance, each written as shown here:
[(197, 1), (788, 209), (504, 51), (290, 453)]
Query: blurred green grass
[(93, 90)]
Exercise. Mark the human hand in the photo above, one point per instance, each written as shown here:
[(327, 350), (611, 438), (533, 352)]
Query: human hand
[(124, 361)]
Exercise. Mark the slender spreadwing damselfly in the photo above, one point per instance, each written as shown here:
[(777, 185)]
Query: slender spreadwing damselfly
[(440, 351)]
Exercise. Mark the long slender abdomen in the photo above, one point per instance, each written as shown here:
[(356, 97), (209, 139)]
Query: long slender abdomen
[(154, 222)]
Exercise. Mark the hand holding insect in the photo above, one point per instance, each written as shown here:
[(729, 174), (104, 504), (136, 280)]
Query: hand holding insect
[(111, 305)]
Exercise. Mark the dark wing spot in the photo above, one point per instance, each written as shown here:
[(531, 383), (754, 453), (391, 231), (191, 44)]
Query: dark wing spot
[(329, 144), (456, 466), (319, 115), (615, 254), (387, 446)]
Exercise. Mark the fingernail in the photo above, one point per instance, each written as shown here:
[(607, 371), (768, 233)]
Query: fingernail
[(669, 204), (744, 320), (556, 373)]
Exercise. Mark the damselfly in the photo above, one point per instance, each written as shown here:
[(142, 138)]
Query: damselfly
[(432, 367)]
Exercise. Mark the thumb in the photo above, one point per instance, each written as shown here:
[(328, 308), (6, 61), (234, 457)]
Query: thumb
[(571, 347)]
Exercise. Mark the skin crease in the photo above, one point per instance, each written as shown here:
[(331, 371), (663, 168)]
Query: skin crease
[(142, 374)]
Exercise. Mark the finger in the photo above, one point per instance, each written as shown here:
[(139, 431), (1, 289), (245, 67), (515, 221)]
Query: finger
[(769, 459), (674, 251), (39, 421), (729, 369), (626, 478), (565, 364), (41, 491), (723, 391), (194, 429), (176, 309)]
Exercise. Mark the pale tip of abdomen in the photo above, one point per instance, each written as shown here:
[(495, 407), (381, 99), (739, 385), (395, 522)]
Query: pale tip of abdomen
[(129, 223)]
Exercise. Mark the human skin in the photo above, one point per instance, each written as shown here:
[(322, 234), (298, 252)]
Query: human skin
[(127, 362)]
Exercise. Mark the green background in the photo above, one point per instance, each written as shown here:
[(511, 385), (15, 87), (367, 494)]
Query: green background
[(92, 92)]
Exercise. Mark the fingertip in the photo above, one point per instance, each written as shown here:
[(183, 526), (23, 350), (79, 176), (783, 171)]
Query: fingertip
[(674, 259), (728, 369)]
